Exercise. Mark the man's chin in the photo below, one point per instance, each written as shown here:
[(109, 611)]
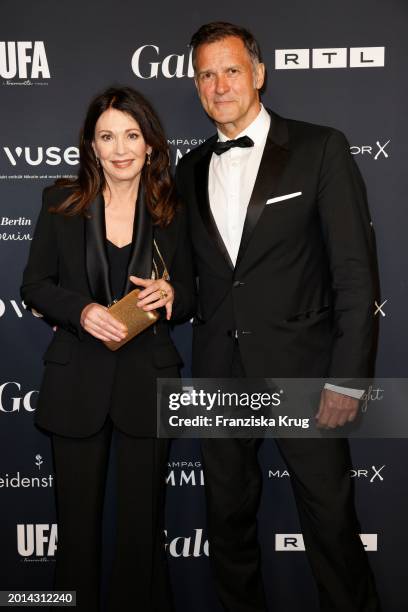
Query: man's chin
[(223, 117)]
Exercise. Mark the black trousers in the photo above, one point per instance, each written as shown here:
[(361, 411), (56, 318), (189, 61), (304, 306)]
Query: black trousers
[(320, 476), (139, 579)]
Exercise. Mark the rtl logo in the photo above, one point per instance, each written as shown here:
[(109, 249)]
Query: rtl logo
[(293, 542), (339, 57)]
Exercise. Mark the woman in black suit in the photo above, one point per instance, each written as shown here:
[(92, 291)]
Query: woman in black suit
[(96, 238)]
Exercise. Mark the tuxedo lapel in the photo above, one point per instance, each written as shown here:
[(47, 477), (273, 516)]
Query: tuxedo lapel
[(141, 256), (273, 163), (203, 200), (97, 266)]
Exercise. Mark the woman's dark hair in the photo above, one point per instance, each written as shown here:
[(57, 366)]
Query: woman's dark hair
[(218, 30), (156, 179)]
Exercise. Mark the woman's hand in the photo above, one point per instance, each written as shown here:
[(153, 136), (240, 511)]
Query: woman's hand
[(156, 294), (97, 321)]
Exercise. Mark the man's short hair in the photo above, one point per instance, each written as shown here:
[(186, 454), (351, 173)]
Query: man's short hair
[(218, 30)]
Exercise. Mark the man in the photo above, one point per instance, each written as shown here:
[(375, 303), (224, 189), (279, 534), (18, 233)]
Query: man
[(284, 254)]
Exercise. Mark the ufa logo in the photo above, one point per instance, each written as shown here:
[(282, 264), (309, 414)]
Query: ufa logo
[(37, 540), (23, 60)]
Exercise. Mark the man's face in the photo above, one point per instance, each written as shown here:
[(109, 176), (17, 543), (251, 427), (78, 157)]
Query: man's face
[(228, 82)]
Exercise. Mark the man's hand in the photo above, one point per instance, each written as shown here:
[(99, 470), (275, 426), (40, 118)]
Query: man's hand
[(98, 322), (335, 409), (156, 294)]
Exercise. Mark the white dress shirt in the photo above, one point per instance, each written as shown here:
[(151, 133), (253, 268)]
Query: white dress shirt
[(231, 181)]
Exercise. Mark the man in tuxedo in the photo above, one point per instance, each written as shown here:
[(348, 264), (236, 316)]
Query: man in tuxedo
[(284, 254)]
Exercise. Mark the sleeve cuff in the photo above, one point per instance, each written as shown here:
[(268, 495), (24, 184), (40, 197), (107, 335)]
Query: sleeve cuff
[(356, 393)]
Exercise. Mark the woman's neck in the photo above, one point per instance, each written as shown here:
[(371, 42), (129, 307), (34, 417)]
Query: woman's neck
[(121, 193)]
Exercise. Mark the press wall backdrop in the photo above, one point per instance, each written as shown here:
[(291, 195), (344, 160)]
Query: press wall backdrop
[(341, 64)]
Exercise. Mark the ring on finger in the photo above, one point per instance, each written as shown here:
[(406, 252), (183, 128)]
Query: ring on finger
[(163, 294)]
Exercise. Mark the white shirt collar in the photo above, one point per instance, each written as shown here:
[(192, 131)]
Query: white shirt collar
[(257, 130)]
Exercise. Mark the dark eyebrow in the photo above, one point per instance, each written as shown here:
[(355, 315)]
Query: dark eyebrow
[(128, 130)]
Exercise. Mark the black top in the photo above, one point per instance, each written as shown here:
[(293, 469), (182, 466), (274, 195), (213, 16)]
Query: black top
[(118, 258)]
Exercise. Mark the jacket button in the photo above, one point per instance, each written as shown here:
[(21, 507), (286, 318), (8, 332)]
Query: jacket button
[(235, 333), (238, 284)]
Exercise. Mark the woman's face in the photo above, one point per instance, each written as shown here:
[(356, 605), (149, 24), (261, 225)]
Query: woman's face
[(119, 145)]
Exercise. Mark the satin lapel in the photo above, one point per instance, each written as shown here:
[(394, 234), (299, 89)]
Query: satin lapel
[(201, 185), (273, 163), (141, 256), (96, 257)]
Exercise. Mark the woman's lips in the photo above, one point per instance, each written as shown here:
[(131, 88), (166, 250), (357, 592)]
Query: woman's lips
[(125, 163)]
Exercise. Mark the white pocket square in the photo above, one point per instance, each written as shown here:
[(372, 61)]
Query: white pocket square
[(288, 196)]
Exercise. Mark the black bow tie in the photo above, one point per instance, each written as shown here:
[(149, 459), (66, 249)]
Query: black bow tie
[(220, 147)]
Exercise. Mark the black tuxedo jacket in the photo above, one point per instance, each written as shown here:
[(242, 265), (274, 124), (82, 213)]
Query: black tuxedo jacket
[(300, 298), (83, 380)]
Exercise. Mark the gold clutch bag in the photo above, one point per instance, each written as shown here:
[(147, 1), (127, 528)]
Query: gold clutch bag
[(127, 312), (136, 320)]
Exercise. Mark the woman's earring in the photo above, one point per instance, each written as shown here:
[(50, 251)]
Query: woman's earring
[(148, 160), (98, 163)]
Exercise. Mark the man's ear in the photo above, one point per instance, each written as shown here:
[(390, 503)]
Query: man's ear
[(259, 75)]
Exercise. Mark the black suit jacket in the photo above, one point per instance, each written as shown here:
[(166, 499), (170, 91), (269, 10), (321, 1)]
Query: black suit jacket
[(83, 380), (300, 298)]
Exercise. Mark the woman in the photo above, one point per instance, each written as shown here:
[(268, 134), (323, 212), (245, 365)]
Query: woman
[(96, 238)]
